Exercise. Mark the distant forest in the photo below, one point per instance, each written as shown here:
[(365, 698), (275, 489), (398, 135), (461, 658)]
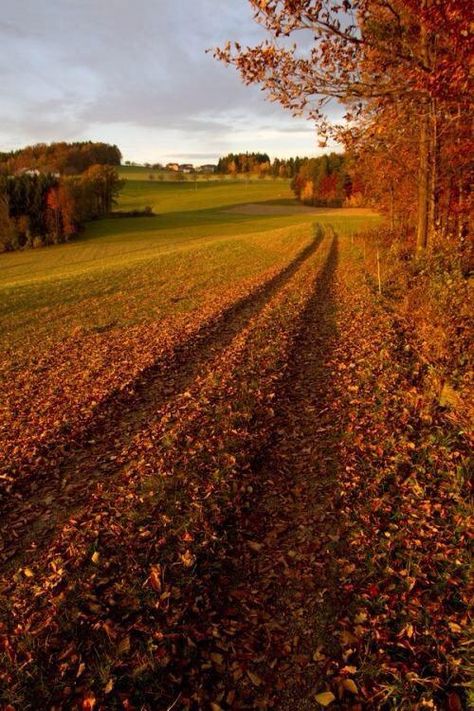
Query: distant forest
[(63, 158), (325, 181), (47, 192)]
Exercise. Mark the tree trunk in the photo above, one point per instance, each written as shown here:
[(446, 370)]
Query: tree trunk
[(392, 207), (424, 183), (426, 201)]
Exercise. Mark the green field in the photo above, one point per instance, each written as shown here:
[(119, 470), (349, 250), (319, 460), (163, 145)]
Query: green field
[(127, 270)]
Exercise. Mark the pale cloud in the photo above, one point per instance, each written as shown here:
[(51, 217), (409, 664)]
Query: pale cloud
[(136, 73)]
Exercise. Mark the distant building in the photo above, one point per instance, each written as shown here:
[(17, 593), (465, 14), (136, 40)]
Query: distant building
[(208, 168), (34, 172), (29, 171), (172, 166), (186, 168)]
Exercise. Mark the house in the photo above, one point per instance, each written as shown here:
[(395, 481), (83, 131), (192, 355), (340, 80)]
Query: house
[(34, 172), (208, 168), (186, 168), (172, 166), (29, 171)]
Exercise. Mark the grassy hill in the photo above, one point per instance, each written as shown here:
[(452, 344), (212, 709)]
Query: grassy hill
[(130, 269)]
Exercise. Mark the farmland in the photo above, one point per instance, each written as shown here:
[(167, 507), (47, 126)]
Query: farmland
[(208, 417)]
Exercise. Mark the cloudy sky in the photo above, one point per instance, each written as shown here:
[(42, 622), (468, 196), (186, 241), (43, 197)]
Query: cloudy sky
[(136, 73)]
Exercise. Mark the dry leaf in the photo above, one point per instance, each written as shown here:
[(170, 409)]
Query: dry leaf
[(325, 698)]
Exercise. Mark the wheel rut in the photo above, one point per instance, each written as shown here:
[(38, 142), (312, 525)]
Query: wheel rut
[(269, 576), (49, 495)]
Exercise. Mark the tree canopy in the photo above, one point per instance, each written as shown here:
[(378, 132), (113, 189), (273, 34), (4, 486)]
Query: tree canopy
[(400, 69)]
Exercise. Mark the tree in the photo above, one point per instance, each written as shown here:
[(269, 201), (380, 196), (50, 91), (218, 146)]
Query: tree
[(370, 56), (104, 185), (7, 227)]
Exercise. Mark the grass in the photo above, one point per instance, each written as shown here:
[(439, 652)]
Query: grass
[(129, 270)]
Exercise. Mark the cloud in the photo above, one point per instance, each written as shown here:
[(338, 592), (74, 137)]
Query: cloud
[(131, 70)]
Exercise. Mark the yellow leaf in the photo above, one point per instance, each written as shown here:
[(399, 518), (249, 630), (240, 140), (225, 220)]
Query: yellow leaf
[(155, 578), (347, 637), (350, 686), (254, 678), (349, 669), (80, 670), (325, 698), (318, 656), (95, 557), (124, 645), (28, 572), (187, 559), (217, 658)]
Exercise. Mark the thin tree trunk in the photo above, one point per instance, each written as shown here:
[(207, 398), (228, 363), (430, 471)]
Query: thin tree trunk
[(423, 183), (392, 208), (433, 217), (425, 165)]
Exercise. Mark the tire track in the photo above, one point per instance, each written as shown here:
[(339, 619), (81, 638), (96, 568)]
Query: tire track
[(48, 494), (266, 576)]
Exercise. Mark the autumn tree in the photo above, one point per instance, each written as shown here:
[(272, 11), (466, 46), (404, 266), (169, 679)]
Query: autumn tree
[(61, 157), (104, 185), (376, 58), (7, 227)]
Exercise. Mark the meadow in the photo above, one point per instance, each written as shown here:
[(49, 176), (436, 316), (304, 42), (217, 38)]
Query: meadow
[(208, 417), (127, 270), (81, 321)]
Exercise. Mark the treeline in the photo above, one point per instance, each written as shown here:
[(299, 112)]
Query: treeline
[(259, 164), (324, 181), (63, 158), (45, 208)]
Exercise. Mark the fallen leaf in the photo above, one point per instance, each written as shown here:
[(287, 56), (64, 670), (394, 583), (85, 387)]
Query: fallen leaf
[(155, 578), (350, 686), (254, 678), (88, 703), (325, 698), (187, 559)]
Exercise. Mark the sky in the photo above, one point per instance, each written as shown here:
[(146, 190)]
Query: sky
[(136, 73)]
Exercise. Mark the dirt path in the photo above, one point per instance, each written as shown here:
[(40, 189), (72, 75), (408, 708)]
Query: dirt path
[(53, 495), (285, 537), (272, 579)]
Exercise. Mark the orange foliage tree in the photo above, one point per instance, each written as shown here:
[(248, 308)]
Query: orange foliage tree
[(401, 69)]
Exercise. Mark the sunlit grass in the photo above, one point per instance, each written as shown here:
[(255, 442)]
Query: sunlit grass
[(129, 270)]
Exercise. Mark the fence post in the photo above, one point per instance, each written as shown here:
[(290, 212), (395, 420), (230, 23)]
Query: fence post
[(378, 272)]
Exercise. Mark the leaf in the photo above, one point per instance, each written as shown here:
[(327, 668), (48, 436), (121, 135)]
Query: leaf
[(88, 702), (325, 698), (318, 656), (124, 645), (28, 572), (187, 559), (255, 546), (254, 678), (350, 686), (80, 670), (155, 578), (349, 669), (347, 638), (95, 557), (217, 658)]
